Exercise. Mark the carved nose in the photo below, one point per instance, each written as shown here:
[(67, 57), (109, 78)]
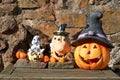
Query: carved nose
[(89, 52)]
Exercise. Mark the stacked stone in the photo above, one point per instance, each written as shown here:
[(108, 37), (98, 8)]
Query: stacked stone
[(11, 34)]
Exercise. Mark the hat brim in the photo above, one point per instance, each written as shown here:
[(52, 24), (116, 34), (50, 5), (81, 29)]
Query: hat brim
[(87, 39), (61, 33)]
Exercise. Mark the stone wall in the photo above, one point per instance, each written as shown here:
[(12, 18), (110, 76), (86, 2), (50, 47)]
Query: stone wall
[(20, 20)]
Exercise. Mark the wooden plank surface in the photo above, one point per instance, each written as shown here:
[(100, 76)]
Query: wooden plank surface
[(57, 74), (8, 69), (63, 73)]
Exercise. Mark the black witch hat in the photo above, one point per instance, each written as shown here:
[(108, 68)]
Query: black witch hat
[(61, 30), (93, 32)]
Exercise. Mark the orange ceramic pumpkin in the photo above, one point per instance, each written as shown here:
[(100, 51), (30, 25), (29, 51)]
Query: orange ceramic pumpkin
[(53, 59), (20, 54), (61, 60), (92, 56), (61, 47), (46, 59)]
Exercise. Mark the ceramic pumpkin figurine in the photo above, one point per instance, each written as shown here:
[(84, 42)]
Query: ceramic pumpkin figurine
[(92, 56), (35, 56), (35, 53), (60, 46), (92, 47)]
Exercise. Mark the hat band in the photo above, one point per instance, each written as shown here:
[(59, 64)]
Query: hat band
[(91, 33)]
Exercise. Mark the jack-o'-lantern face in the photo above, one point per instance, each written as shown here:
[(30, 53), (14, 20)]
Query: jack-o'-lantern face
[(60, 44), (91, 56), (35, 56)]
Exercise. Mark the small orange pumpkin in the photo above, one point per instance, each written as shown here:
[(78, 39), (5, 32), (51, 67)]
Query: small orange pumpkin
[(61, 60), (92, 56), (20, 54), (53, 59), (46, 59)]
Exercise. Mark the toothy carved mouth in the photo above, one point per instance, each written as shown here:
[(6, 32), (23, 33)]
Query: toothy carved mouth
[(90, 61), (60, 55), (38, 59)]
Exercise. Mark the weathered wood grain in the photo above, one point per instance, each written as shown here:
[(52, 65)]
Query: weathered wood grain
[(20, 73)]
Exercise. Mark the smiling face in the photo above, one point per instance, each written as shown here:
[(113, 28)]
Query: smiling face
[(35, 56), (60, 47), (61, 44), (91, 56)]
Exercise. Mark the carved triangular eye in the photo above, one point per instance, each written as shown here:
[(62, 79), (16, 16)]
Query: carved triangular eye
[(84, 46), (95, 47)]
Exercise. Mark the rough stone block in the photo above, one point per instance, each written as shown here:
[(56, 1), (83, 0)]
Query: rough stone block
[(31, 3), (76, 20), (8, 1), (111, 21), (8, 7)]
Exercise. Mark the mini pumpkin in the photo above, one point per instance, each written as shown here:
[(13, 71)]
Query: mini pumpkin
[(92, 56), (46, 59), (20, 54), (61, 60), (53, 59)]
